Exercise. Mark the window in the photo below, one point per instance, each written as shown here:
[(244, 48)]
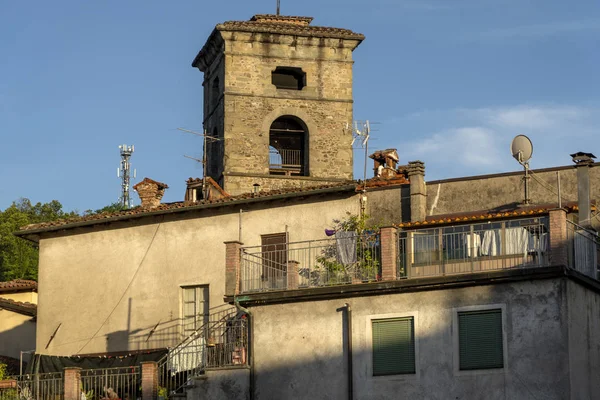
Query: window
[(194, 311), (291, 78), (393, 346), (480, 340), (287, 143)]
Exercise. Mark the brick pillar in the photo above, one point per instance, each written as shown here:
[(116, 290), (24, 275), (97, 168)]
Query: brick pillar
[(558, 237), (149, 380), (232, 267), (389, 250), (293, 278), (72, 382)]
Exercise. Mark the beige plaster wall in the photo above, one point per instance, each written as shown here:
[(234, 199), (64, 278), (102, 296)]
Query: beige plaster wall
[(17, 333), (110, 287)]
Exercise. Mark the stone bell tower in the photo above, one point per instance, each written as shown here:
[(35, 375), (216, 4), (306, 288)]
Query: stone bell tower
[(277, 100)]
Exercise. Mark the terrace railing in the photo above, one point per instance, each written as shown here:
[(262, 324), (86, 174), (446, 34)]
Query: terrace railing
[(343, 259), (285, 161), (47, 386), (221, 342), (472, 248), (583, 249), (102, 383)]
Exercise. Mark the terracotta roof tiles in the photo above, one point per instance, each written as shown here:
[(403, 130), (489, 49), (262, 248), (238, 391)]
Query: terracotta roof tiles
[(18, 306), (18, 285)]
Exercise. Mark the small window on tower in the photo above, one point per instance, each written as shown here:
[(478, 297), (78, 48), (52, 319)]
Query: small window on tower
[(291, 78)]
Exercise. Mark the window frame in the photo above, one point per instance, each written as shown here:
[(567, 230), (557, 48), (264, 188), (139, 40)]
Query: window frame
[(206, 315), (369, 345), (456, 340)]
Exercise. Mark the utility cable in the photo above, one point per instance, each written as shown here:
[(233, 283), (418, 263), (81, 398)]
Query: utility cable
[(126, 289)]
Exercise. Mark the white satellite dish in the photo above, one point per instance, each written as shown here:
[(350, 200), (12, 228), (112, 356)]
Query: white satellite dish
[(521, 148)]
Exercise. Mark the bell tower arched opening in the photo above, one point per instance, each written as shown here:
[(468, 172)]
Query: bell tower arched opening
[(288, 147)]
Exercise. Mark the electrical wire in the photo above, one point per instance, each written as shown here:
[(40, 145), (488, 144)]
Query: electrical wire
[(126, 289)]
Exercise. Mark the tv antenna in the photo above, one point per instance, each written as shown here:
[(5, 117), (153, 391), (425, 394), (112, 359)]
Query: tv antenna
[(207, 138), (124, 172), (522, 149)]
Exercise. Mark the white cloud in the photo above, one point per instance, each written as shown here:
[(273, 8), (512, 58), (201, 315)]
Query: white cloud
[(467, 146), (477, 141), (531, 117)]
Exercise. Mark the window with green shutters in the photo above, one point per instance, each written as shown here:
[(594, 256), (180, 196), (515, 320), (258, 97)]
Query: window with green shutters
[(480, 339), (393, 346)]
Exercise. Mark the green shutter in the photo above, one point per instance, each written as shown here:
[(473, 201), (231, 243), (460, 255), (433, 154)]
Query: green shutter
[(393, 346), (480, 339)]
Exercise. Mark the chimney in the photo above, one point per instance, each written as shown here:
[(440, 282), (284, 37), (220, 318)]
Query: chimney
[(150, 192), (583, 162), (418, 191)]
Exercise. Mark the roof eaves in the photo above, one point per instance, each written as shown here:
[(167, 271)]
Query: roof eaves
[(188, 208), (18, 307)]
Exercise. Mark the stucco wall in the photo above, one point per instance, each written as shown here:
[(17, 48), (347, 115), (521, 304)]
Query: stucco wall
[(584, 339), (461, 195), (222, 384), (17, 333), (108, 288), (298, 347)]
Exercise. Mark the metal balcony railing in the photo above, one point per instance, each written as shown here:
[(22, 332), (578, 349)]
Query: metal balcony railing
[(285, 162), (583, 250), (473, 248), (220, 342), (43, 386), (344, 259)]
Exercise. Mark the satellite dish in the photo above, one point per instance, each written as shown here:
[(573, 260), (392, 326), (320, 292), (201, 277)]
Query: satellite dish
[(521, 148)]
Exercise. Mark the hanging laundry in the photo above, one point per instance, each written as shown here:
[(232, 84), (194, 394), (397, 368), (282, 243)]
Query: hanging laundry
[(346, 247), (490, 245), (473, 245)]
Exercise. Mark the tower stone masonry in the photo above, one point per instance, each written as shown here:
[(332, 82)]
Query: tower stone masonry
[(277, 100)]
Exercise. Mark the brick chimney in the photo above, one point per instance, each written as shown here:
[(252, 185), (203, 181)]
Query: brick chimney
[(418, 191), (583, 162), (150, 192)]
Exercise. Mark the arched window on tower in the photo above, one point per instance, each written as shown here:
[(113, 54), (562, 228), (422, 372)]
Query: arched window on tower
[(288, 143), (214, 92)]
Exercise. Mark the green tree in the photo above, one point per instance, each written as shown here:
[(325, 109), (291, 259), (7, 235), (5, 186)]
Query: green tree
[(18, 257)]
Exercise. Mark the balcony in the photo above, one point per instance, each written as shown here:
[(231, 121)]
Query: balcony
[(395, 254)]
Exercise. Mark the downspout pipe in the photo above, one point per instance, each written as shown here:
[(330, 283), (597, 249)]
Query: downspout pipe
[(239, 307), (347, 327)]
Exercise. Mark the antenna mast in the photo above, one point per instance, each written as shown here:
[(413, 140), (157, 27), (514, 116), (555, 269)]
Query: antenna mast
[(124, 172), (278, 7)]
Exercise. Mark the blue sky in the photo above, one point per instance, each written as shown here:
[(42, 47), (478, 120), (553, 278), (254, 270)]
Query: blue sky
[(449, 82)]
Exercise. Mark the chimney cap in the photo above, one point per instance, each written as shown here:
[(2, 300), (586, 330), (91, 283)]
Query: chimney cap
[(583, 158)]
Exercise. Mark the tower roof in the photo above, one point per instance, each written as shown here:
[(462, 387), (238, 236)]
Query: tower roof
[(277, 24)]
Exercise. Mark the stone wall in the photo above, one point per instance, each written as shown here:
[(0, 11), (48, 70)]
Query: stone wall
[(244, 183), (251, 103)]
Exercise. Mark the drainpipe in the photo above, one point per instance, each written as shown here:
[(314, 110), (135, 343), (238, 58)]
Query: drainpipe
[(583, 162), (250, 345), (348, 330)]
